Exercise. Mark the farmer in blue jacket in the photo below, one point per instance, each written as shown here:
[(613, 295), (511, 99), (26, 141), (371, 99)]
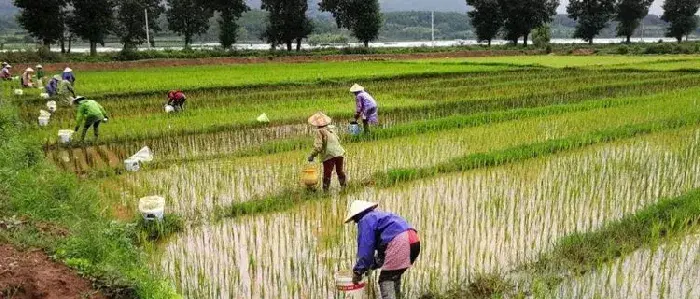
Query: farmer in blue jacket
[(396, 243)]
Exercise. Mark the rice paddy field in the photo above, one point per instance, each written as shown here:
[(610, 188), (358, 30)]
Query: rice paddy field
[(504, 165)]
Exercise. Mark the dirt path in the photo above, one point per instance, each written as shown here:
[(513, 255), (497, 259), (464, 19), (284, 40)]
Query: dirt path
[(118, 65), (32, 274)]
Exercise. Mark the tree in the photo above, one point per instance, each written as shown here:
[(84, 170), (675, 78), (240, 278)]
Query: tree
[(592, 16), (629, 14), (486, 19), (42, 19), (230, 11), (288, 22), (361, 17), (92, 20), (189, 18), (131, 20), (521, 16), (541, 36), (681, 16)]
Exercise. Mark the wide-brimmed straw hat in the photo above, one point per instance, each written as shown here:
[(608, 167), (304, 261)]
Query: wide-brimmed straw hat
[(30, 70), (67, 70), (358, 207), (77, 100), (320, 120), (356, 88), (39, 66)]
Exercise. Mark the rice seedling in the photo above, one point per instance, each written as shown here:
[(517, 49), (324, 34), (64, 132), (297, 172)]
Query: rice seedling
[(533, 204)]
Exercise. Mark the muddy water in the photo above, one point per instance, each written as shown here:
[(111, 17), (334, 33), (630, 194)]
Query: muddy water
[(478, 221)]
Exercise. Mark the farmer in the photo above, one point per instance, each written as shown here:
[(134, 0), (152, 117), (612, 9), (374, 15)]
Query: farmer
[(177, 98), (395, 241), (27, 78), (6, 74), (65, 90), (52, 87), (68, 76), (328, 145), (366, 107), (92, 113), (39, 75)]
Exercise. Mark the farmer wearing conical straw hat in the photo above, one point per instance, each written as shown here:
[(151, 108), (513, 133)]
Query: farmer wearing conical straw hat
[(27, 78), (92, 113), (6, 74), (68, 76), (395, 241), (327, 144), (366, 107)]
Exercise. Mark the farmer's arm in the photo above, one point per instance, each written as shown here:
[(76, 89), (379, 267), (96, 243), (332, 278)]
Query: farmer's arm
[(365, 247), (318, 144), (359, 102)]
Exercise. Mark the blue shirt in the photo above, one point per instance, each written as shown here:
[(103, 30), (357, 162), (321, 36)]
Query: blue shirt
[(68, 76), (52, 87), (376, 229)]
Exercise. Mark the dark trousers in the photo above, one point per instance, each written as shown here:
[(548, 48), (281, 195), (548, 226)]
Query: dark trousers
[(95, 124), (390, 281), (328, 167)]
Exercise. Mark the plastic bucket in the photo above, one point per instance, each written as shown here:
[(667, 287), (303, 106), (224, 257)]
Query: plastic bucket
[(354, 129), (64, 136), (152, 208), (43, 121), (132, 165), (19, 92), (45, 96), (309, 176), (51, 105), (169, 109), (344, 284)]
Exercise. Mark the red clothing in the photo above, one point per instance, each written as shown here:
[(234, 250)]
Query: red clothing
[(176, 96)]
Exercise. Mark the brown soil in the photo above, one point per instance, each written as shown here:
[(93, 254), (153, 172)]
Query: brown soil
[(116, 65), (32, 274)]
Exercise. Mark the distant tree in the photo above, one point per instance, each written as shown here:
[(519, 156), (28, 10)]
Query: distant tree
[(362, 17), (131, 20), (541, 36), (486, 18), (629, 14), (592, 16), (42, 19), (521, 16), (681, 16), (92, 20), (189, 18), (230, 11), (288, 22)]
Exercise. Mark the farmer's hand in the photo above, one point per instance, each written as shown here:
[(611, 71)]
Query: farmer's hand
[(311, 158), (356, 277)]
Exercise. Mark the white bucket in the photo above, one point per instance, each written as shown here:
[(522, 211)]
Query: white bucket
[(51, 105), (132, 165), (343, 283), (64, 136), (19, 92), (152, 207), (43, 121), (44, 95), (263, 118), (169, 109)]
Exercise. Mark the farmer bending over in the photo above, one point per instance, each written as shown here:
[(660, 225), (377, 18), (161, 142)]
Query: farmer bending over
[(366, 107), (395, 241), (177, 98), (328, 145), (27, 80), (92, 113), (6, 74), (68, 76)]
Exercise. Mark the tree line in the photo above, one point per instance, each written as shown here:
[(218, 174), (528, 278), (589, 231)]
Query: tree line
[(60, 21), (515, 19)]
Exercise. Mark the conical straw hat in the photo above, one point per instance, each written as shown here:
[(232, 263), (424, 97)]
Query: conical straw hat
[(358, 207), (30, 70), (319, 120), (356, 88), (67, 70)]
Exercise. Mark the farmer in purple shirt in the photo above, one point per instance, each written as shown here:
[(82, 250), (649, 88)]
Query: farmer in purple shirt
[(366, 107), (395, 241)]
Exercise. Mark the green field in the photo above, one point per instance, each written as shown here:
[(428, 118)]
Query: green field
[(503, 165)]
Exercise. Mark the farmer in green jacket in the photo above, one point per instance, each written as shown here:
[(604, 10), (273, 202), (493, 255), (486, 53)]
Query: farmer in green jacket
[(92, 113), (327, 145)]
